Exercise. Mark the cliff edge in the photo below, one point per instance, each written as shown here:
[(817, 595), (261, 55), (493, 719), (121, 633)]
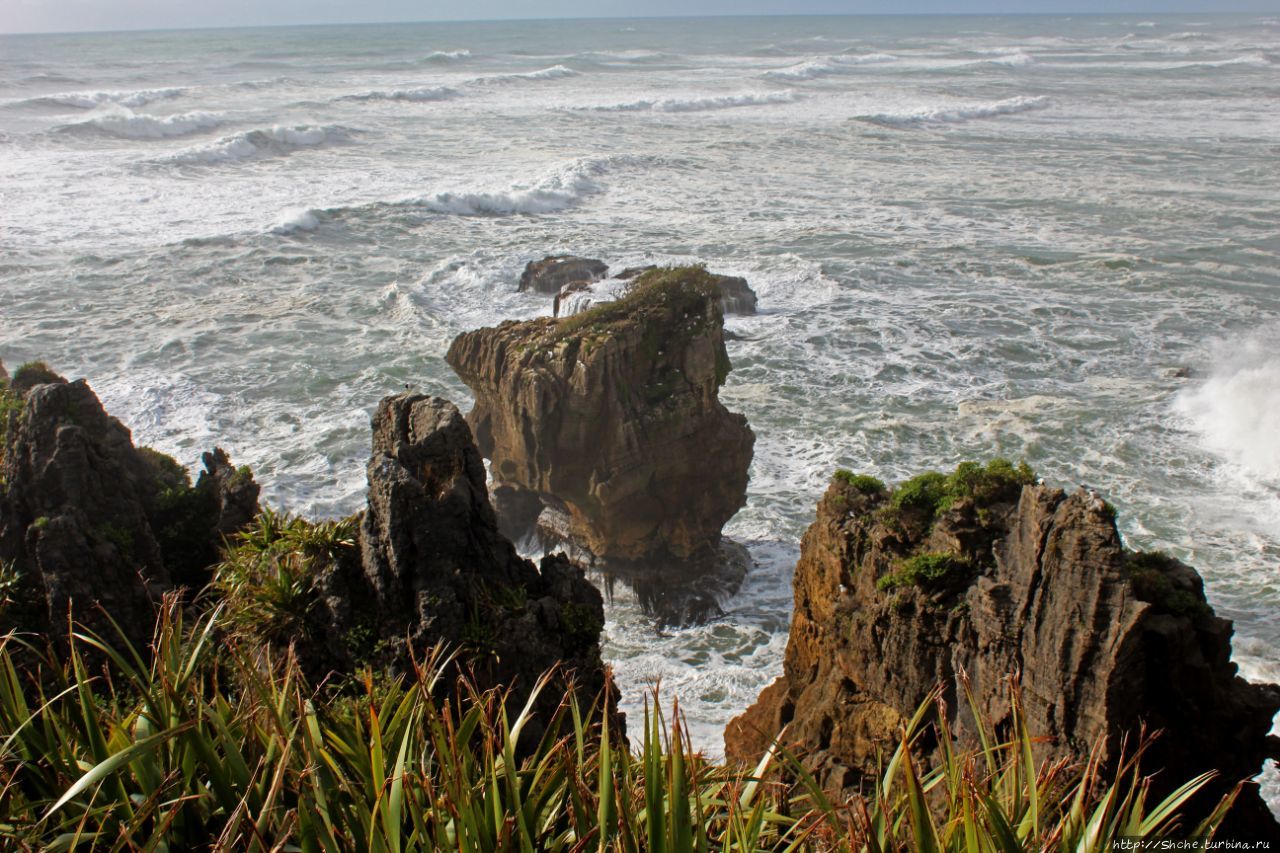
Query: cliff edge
[(987, 573)]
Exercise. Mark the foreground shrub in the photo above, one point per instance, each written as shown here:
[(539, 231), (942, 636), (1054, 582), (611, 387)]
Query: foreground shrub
[(217, 745)]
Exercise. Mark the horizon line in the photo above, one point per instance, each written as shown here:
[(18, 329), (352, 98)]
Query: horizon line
[(712, 16)]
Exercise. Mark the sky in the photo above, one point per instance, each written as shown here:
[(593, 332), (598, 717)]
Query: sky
[(93, 15)]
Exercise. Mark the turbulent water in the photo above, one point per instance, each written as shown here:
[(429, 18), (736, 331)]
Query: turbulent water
[(970, 236)]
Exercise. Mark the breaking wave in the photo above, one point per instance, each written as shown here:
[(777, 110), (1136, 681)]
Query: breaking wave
[(559, 188), (90, 100), (426, 93), (951, 115), (264, 142), (715, 102), (1237, 408), (446, 55), (553, 73), (816, 68), (121, 121)]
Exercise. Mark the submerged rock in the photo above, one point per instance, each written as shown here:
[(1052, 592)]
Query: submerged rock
[(897, 593), (553, 272), (611, 418), (90, 525)]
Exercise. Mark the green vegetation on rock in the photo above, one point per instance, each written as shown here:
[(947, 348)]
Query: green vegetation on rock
[(862, 482), (1149, 573), (218, 745), (927, 571), (679, 291), (268, 576), (932, 492)]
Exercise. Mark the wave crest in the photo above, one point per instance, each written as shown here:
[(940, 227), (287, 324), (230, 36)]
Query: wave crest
[(553, 73), (123, 122), (423, 94), (816, 68), (92, 100), (713, 102), (274, 141), (557, 189), (952, 115)]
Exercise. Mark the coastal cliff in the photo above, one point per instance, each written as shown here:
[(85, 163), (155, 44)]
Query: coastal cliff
[(96, 530), (91, 526), (605, 429), (986, 575)]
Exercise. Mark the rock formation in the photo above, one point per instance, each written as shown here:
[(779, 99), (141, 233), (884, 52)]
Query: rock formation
[(986, 573), (92, 525), (432, 567), (736, 296), (611, 420), (553, 272)]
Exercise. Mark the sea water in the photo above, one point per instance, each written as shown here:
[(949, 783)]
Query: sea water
[(970, 236)]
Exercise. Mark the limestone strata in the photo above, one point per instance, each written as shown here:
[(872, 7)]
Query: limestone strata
[(555, 271), (87, 520), (1039, 584), (613, 417), (433, 567)]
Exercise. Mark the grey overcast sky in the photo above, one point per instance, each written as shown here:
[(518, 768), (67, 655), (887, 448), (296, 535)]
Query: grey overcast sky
[(91, 15)]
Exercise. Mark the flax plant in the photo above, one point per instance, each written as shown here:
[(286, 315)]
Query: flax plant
[(211, 741)]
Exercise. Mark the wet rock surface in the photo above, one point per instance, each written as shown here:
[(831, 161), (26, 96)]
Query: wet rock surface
[(553, 272), (611, 419), (1036, 583)]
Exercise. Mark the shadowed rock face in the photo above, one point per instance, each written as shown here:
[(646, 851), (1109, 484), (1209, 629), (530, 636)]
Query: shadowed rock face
[(1105, 640), (555, 271), (433, 566), (84, 515), (611, 418)]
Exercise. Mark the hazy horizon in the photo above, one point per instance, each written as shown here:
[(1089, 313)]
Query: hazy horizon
[(38, 17)]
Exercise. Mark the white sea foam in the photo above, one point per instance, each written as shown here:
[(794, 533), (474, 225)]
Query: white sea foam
[(296, 219), (90, 100), (956, 114), (816, 68), (263, 142), (425, 93), (1237, 409), (556, 189), (117, 120), (446, 55), (1011, 60), (710, 102), (553, 73)]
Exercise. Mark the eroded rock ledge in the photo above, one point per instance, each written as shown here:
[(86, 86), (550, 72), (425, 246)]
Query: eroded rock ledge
[(94, 529), (605, 429), (987, 573), (93, 526)]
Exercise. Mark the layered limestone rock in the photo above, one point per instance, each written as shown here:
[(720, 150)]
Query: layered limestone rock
[(553, 272), (610, 419), (432, 567), (91, 525), (896, 593)]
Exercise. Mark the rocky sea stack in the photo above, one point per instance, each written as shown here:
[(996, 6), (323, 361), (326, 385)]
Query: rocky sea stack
[(91, 526), (94, 529), (605, 432), (985, 573)]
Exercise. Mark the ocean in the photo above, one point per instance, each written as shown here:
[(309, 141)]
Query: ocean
[(971, 236)]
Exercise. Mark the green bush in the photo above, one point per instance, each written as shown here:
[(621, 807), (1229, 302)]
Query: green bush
[(168, 756), (1148, 573), (862, 482), (927, 571), (932, 492)]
